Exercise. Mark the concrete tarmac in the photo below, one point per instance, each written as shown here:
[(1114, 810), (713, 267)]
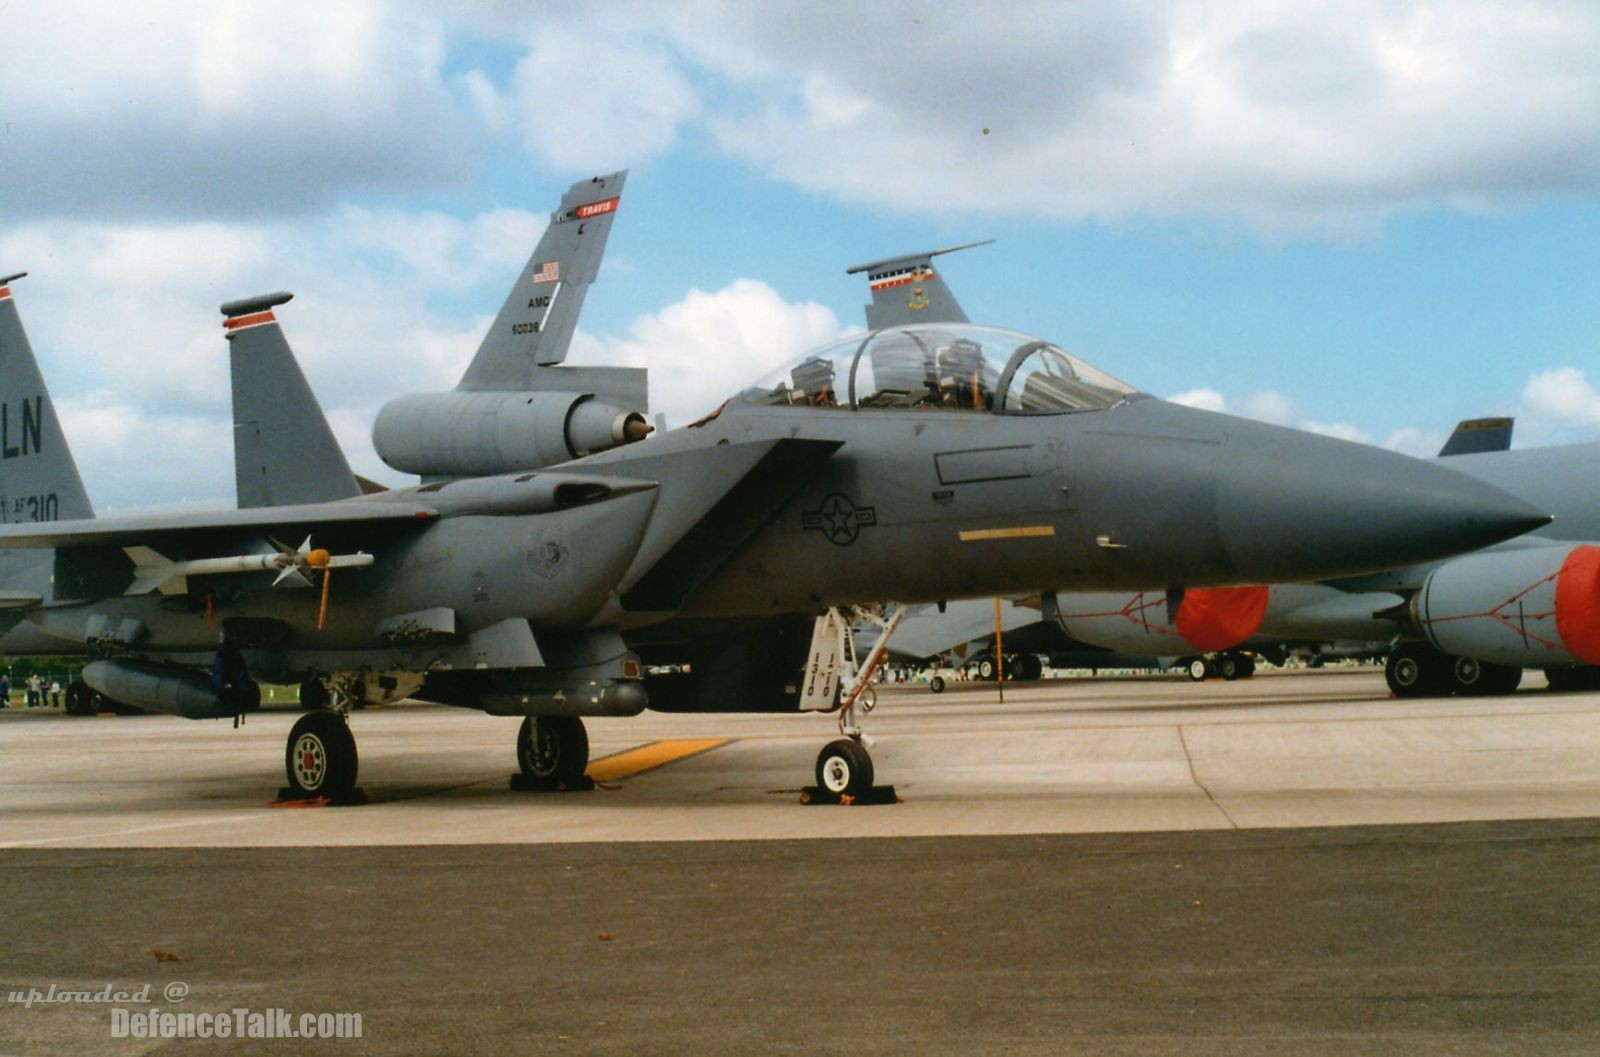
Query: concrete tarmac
[(1075, 756), (1097, 867)]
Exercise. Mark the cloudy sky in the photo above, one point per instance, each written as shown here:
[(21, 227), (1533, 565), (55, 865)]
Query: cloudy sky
[(1369, 219)]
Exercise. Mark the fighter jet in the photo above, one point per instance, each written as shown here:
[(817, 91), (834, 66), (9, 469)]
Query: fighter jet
[(912, 464)]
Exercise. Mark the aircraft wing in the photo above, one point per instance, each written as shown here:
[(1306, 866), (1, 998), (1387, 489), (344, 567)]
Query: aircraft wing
[(140, 528)]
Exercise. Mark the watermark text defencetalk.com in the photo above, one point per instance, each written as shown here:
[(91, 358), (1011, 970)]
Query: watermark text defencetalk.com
[(241, 1023)]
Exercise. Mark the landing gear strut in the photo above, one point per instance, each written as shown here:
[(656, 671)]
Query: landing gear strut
[(844, 767)]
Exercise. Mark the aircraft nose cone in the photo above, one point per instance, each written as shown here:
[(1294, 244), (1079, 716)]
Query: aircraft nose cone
[(1287, 499)]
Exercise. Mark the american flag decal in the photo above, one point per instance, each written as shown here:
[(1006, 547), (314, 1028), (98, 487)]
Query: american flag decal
[(549, 272)]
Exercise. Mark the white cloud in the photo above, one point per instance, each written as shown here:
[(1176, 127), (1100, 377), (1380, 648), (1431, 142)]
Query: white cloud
[(709, 346), (594, 101), (1268, 405), (178, 108), (1564, 397), (1316, 116), (1306, 117), (1204, 399)]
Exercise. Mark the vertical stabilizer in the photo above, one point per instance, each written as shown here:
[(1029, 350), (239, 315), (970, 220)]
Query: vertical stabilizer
[(907, 290), (38, 477), (1475, 435), (283, 449), (534, 327)]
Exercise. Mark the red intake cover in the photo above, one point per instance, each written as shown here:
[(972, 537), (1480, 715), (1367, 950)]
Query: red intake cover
[(1219, 618), (1578, 604)]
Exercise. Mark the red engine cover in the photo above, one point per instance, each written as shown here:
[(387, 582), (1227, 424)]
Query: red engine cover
[(1219, 618), (1578, 604)]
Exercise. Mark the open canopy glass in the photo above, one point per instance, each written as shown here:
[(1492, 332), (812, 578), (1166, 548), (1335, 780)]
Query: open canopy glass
[(950, 366)]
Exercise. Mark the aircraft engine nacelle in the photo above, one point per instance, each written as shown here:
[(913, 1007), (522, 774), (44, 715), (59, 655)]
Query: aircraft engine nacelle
[(1532, 608), (1206, 619), (159, 688), (477, 434)]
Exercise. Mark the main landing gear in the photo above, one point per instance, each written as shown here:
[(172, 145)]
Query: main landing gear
[(320, 759), (844, 767), (552, 753), (1417, 669), (1229, 666)]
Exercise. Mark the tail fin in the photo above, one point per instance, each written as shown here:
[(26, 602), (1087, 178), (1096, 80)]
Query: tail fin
[(1474, 435), (535, 325), (38, 477), (283, 450), (907, 290)]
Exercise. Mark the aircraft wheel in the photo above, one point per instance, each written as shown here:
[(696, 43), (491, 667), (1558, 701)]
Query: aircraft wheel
[(1199, 669), (1482, 679), (844, 768), (321, 756), (553, 751), (936, 684), (1415, 669), (1228, 667), (1573, 678), (1030, 667), (1247, 666), (986, 669), (78, 700)]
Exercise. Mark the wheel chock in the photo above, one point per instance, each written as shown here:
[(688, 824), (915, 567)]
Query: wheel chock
[(523, 784), (876, 796), (291, 798)]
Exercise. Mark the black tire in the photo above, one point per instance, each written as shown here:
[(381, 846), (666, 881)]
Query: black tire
[(78, 699), (986, 669), (1482, 679), (1247, 666), (844, 768), (936, 684), (1503, 678), (1029, 667), (1415, 669), (1199, 669), (1228, 667), (1584, 678), (320, 758), (552, 751)]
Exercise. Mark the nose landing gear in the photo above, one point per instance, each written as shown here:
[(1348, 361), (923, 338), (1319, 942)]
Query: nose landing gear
[(844, 769)]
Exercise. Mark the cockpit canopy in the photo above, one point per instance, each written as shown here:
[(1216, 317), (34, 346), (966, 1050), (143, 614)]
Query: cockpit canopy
[(947, 366)]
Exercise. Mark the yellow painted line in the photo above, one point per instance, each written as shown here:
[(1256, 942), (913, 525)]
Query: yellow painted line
[(649, 757), (1018, 533)]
